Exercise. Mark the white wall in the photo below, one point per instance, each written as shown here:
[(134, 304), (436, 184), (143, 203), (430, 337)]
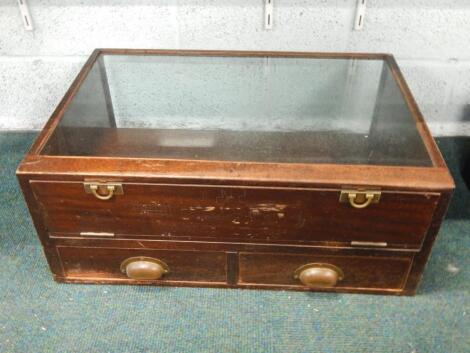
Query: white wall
[(430, 39)]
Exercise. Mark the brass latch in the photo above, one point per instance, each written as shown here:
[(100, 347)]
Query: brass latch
[(103, 191), (360, 198)]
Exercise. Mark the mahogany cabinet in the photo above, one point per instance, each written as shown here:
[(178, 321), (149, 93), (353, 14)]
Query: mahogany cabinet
[(302, 171)]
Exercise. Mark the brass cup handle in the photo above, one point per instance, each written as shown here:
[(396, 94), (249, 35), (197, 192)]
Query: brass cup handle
[(368, 200), (144, 268), (319, 275), (109, 188)]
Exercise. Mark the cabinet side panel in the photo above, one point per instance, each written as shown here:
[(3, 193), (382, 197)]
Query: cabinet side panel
[(36, 215), (421, 258)]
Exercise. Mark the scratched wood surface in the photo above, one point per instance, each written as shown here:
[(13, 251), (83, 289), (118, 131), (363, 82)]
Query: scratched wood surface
[(367, 271), (236, 214)]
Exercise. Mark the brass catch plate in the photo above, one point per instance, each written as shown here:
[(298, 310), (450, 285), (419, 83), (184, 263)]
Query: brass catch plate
[(118, 190)]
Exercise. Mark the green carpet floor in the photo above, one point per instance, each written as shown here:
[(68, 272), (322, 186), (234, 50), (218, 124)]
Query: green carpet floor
[(39, 315)]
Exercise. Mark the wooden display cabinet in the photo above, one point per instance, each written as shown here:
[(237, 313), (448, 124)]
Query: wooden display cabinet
[(304, 171)]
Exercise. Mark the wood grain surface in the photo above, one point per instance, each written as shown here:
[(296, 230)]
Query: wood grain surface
[(282, 215)]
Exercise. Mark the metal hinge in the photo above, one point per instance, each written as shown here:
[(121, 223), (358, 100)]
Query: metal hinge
[(96, 234), (375, 244)]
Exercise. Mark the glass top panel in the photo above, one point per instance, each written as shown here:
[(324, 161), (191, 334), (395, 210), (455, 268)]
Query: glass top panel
[(258, 109)]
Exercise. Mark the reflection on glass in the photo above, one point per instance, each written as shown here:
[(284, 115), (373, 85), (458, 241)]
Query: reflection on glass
[(260, 109)]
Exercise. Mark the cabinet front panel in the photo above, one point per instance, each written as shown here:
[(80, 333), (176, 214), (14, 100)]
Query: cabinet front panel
[(106, 263), (364, 272), (238, 214)]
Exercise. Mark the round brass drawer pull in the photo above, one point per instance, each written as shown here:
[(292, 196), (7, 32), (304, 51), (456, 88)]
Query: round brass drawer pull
[(319, 275), (144, 268)]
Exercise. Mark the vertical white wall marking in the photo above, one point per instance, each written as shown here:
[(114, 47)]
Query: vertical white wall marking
[(25, 16), (268, 14), (360, 14)]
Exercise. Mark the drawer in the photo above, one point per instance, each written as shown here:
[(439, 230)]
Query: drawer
[(236, 214), (384, 272), (107, 263)]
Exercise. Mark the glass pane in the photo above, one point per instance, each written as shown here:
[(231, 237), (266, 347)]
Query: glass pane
[(264, 109)]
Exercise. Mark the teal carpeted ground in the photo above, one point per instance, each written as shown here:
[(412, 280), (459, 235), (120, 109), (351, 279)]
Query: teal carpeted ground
[(39, 315)]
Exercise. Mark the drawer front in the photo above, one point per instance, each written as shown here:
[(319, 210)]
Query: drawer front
[(105, 263), (358, 272), (244, 214)]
